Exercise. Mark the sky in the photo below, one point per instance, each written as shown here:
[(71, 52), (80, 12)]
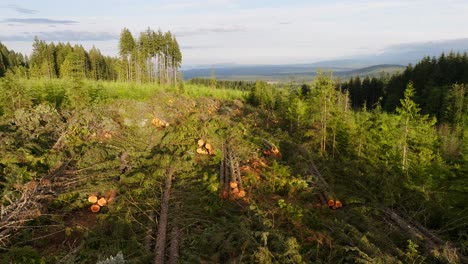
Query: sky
[(239, 31)]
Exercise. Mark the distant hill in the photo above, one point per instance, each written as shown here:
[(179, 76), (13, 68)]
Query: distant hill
[(286, 72), (390, 60)]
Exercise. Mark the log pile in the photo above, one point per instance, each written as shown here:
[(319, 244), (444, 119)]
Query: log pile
[(325, 191), (159, 123), (334, 204), (98, 201), (270, 150), (254, 166), (204, 148), (230, 177)]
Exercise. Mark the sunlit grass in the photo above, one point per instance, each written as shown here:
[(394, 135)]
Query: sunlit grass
[(123, 90)]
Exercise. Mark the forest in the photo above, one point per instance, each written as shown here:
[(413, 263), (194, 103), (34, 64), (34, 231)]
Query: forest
[(118, 160)]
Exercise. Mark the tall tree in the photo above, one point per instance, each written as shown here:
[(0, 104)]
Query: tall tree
[(417, 138), (126, 46)]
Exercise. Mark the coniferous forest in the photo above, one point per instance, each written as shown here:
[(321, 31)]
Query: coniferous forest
[(118, 160)]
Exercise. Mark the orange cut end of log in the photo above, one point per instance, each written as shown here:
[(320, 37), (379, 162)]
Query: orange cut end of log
[(92, 199), (338, 204), (95, 208), (233, 185), (275, 151), (235, 190), (208, 146), (241, 193), (202, 151), (102, 202), (201, 142), (331, 202)]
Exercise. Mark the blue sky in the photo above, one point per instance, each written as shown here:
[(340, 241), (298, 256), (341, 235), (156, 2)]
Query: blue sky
[(240, 31)]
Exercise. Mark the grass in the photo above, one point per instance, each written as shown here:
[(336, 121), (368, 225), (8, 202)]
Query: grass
[(123, 90)]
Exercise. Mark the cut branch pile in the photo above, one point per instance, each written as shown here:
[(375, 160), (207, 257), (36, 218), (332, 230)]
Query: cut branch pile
[(31, 202), (230, 177)]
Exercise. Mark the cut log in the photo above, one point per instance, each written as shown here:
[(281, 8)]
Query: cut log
[(208, 146), (201, 143), (331, 202), (338, 204), (95, 208), (102, 202), (158, 123), (241, 194), (92, 199), (233, 184), (202, 151), (235, 190), (160, 247), (225, 194)]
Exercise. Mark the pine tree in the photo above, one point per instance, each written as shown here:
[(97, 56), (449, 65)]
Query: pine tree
[(416, 140), (126, 47)]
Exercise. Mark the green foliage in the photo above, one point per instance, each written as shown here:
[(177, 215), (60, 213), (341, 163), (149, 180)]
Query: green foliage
[(370, 159), (22, 255), (412, 254)]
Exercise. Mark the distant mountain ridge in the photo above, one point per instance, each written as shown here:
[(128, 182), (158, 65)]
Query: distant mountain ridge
[(393, 58), (282, 72)]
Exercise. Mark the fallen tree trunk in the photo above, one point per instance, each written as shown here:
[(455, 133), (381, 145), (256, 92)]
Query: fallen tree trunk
[(434, 245), (160, 247)]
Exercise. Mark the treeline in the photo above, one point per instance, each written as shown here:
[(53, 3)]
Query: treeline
[(236, 85), (64, 60), (10, 59), (152, 57), (434, 81)]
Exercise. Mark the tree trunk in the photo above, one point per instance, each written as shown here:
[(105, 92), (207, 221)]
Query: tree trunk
[(160, 247), (174, 249), (405, 146)]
